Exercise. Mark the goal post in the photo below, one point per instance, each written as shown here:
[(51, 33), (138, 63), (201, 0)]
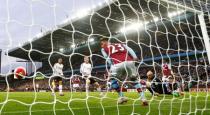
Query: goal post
[(201, 21), (204, 33)]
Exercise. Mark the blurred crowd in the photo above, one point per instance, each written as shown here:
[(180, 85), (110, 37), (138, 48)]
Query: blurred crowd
[(195, 73)]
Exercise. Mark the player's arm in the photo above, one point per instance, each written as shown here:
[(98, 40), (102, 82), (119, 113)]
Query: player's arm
[(61, 71), (81, 68), (54, 68), (106, 56), (131, 52), (91, 68)]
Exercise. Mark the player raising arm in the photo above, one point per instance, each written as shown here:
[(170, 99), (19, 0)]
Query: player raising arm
[(122, 60)]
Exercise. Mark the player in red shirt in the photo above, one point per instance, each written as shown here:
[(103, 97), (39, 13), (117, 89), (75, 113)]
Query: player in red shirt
[(76, 83), (122, 61), (166, 71)]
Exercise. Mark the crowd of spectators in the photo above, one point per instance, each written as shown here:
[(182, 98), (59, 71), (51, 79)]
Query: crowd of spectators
[(193, 72)]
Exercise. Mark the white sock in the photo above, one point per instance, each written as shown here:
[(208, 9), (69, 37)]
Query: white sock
[(60, 87), (99, 89), (87, 87), (142, 96), (53, 89)]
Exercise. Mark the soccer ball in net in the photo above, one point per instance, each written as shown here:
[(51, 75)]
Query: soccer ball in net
[(19, 73)]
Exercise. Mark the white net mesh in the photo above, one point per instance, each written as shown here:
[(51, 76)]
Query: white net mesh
[(158, 31)]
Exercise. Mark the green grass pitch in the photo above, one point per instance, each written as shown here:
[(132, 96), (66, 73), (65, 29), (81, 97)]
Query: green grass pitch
[(43, 103)]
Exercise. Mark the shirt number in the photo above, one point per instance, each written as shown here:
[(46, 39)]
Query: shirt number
[(116, 48)]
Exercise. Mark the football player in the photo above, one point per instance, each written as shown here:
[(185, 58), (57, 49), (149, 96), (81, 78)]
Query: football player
[(85, 70), (166, 71), (122, 61), (154, 84), (76, 83), (57, 77)]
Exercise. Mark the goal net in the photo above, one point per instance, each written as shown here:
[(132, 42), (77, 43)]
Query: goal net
[(169, 37)]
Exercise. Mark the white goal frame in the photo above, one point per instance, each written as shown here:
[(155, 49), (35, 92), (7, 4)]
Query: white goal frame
[(201, 21)]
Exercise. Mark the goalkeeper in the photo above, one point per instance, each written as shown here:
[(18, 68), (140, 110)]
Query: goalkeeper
[(156, 87), (154, 84)]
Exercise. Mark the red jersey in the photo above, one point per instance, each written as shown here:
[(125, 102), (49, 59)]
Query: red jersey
[(166, 70), (117, 52), (76, 81)]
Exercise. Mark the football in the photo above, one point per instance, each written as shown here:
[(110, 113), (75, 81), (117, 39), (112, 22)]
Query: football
[(19, 73)]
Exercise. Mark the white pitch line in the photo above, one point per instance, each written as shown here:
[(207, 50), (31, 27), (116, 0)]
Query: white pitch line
[(81, 108)]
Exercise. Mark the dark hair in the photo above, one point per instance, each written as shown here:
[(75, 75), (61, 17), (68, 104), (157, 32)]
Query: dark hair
[(104, 39)]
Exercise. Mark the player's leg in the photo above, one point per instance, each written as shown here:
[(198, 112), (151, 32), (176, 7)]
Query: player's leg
[(109, 88), (150, 89), (165, 82), (77, 87), (89, 81), (87, 84), (80, 86), (175, 86), (96, 84), (165, 79), (158, 88), (115, 73), (74, 87), (155, 88), (53, 86), (115, 86), (98, 87), (139, 85), (60, 86)]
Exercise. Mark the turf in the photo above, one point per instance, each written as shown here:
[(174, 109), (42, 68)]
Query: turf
[(43, 103)]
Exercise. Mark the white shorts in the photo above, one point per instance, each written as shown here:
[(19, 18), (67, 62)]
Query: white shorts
[(165, 79), (86, 75), (75, 85), (124, 69)]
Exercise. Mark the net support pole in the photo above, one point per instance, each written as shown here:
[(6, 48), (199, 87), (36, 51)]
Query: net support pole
[(205, 34)]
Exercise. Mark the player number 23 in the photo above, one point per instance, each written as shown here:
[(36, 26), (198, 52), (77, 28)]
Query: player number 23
[(116, 47)]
